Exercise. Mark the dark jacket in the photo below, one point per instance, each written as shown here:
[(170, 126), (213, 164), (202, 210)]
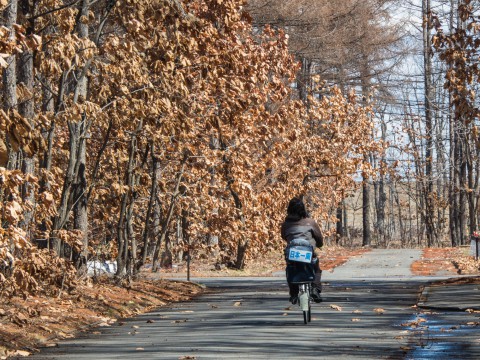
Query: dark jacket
[(302, 228)]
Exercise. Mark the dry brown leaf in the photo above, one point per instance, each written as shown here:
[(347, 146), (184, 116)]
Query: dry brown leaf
[(22, 353), (379, 310), (336, 307), (472, 311)]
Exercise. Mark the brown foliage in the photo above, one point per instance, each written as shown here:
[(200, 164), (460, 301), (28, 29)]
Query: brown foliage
[(186, 85)]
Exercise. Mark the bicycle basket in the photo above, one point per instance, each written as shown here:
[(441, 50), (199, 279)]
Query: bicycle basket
[(298, 272)]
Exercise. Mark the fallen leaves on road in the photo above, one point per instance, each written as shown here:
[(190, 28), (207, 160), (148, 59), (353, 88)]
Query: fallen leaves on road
[(238, 303), (336, 307), (415, 323), (472, 311), (355, 319), (379, 310)]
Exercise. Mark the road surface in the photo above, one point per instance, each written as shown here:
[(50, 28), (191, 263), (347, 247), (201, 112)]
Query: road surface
[(369, 312)]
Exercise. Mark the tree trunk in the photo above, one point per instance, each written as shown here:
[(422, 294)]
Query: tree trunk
[(428, 195), (365, 83), (382, 197), (26, 109), (166, 222), (80, 210), (303, 80), (366, 240), (150, 208), (339, 223), (10, 77), (123, 218), (345, 220)]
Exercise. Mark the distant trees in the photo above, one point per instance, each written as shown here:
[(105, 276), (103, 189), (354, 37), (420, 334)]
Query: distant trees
[(425, 190), (458, 49), (351, 44)]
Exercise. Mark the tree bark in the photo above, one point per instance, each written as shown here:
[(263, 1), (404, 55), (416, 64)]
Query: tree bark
[(339, 223), (428, 195), (26, 110), (150, 208), (80, 210), (10, 77), (168, 218), (366, 240), (365, 82), (123, 226)]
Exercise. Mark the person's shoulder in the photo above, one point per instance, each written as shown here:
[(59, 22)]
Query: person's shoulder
[(310, 221)]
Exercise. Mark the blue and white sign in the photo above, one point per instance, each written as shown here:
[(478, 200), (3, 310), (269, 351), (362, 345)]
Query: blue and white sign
[(300, 255)]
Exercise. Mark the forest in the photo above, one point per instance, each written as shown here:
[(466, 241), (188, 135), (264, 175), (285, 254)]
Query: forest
[(147, 131)]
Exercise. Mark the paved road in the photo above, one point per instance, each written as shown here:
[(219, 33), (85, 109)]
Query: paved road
[(367, 313)]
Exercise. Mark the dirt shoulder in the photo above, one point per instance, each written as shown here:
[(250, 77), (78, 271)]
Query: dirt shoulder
[(37, 321), (446, 261)]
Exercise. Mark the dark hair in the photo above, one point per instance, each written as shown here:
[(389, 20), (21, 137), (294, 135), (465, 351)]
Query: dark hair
[(296, 208)]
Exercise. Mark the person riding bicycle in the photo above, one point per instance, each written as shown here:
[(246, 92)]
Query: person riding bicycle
[(297, 225)]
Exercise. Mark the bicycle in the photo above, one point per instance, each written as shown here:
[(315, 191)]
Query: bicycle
[(301, 271)]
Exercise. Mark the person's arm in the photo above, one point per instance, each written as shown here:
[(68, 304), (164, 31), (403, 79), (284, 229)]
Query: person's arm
[(317, 234)]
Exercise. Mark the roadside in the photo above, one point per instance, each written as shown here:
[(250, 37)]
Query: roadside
[(27, 324), (454, 294), (446, 261), (460, 294)]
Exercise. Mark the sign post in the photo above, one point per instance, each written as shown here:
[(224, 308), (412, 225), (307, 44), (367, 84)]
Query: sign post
[(474, 246)]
